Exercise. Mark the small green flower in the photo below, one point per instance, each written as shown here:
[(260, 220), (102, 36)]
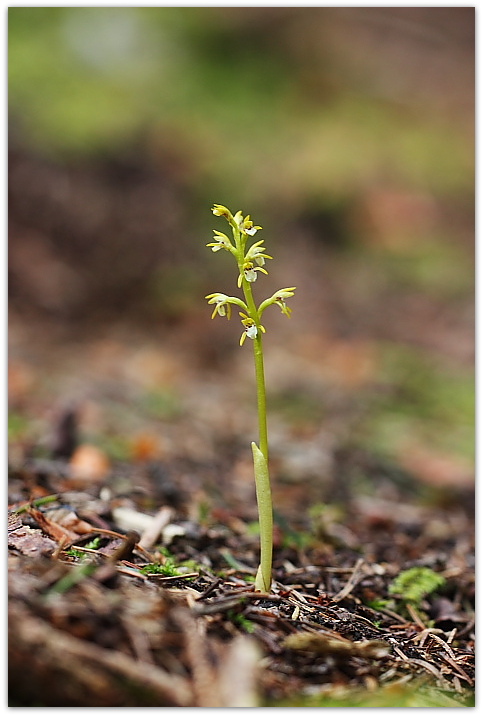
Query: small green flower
[(256, 253), (249, 273), (238, 220), (251, 330), (223, 304), (220, 210), (221, 242), (278, 298), (248, 226)]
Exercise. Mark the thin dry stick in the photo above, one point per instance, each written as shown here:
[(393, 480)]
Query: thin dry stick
[(352, 582), (451, 635), (463, 675), (429, 667), (415, 617)]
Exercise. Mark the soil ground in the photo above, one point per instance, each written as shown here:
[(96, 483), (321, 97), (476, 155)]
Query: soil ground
[(131, 561)]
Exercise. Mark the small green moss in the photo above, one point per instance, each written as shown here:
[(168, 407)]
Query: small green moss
[(78, 554), (415, 583), (168, 569), (93, 544), (165, 552), (241, 621), (378, 604), (192, 565)]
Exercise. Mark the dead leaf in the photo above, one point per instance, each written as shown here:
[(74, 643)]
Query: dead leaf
[(88, 465), (323, 644), (69, 520), (57, 532)]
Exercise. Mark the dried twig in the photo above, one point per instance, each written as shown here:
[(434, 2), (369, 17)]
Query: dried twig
[(352, 582)]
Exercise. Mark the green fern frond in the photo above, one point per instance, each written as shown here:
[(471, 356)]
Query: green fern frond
[(415, 583)]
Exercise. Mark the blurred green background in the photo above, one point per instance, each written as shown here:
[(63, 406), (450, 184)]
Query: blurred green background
[(348, 133)]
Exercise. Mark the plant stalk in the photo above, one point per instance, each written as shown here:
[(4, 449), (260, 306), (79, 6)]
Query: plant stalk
[(261, 395), (263, 580), (262, 477)]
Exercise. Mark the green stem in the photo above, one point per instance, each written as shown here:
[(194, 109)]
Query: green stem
[(259, 370), (263, 580), (264, 497), (261, 395)]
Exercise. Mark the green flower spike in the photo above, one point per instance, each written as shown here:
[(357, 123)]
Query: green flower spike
[(249, 261)]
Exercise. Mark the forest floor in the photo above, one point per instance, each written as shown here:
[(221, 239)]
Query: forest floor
[(133, 535), (133, 545)]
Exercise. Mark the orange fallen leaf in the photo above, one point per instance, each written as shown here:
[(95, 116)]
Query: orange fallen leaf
[(88, 465), (145, 447)]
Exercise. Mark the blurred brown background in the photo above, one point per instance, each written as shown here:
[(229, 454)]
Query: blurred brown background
[(348, 134)]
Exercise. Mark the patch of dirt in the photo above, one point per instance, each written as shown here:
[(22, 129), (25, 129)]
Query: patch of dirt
[(113, 604)]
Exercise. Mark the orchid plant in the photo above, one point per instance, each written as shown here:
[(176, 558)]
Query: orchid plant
[(251, 261)]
